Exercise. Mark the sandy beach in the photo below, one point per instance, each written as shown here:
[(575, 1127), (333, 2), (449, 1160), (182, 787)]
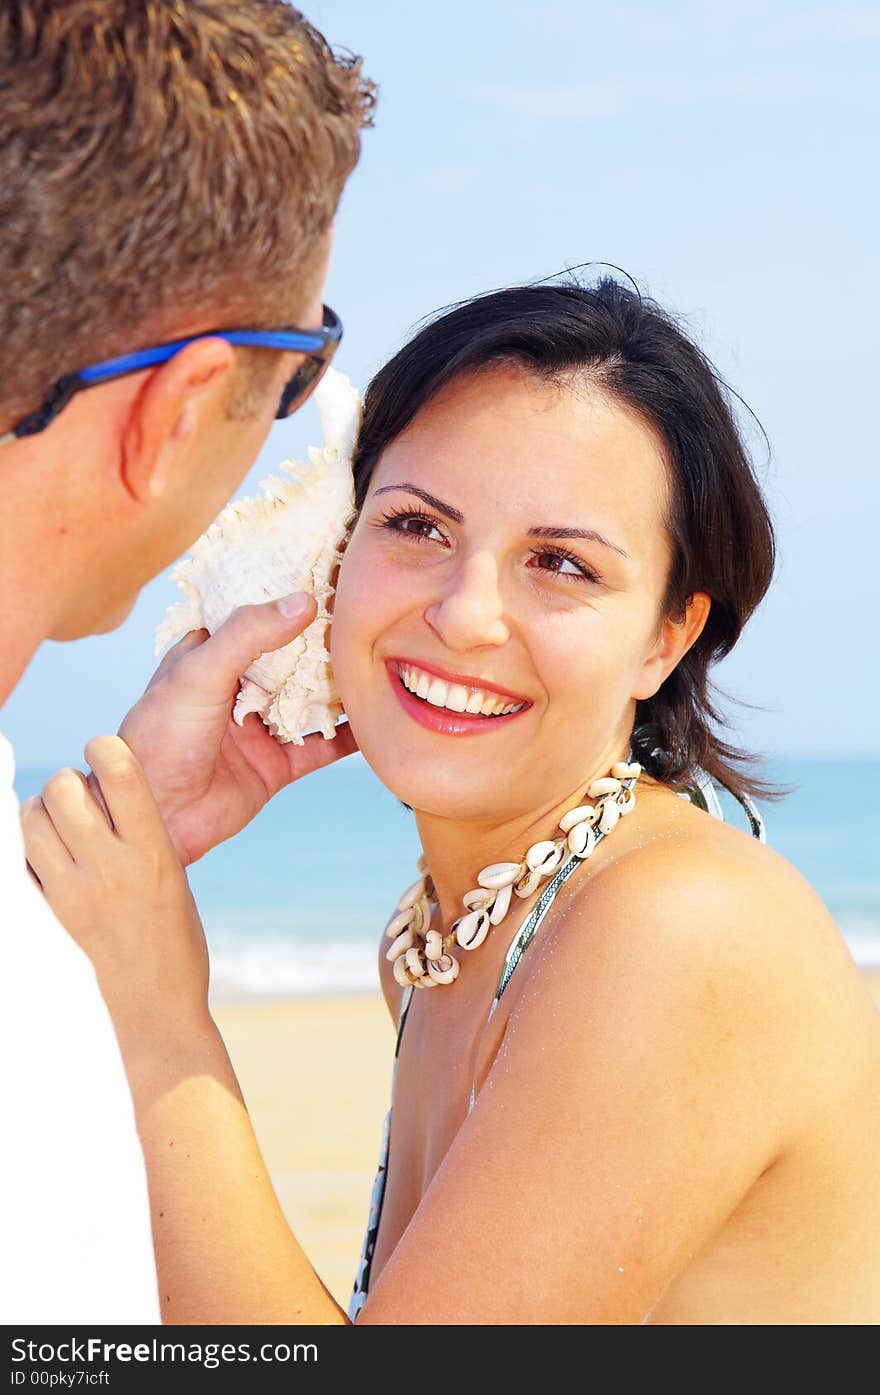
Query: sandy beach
[(316, 1075)]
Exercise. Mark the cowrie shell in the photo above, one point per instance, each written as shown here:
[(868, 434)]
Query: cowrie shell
[(471, 930), (422, 922), (399, 922), (402, 944), (411, 895), (552, 860), (621, 771), (581, 840), (538, 853), (584, 813), (415, 962), (402, 974), (626, 802), (499, 874), (434, 946), (445, 970), (610, 816), (526, 884), (478, 899), (501, 905), (606, 785)]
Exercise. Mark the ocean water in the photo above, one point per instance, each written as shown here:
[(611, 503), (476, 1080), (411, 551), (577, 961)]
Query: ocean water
[(296, 903)]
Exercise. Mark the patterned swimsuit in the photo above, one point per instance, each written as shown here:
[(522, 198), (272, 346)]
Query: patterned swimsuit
[(703, 794)]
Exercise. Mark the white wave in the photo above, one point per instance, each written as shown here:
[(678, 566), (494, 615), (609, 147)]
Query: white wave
[(864, 945), (281, 966)]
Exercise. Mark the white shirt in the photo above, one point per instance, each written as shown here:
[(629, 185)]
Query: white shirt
[(75, 1241)]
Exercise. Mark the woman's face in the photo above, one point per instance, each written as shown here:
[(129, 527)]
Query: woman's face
[(464, 565)]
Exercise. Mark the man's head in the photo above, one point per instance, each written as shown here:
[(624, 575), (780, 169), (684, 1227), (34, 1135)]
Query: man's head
[(166, 169)]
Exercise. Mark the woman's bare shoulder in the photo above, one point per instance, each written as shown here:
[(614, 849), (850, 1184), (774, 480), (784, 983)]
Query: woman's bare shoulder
[(702, 914), (700, 873)]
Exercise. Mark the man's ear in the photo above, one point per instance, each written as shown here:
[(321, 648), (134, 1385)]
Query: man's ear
[(671, 645), (173, 401)]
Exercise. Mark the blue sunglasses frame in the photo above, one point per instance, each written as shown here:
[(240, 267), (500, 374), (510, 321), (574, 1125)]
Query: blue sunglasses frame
[(319, 345)]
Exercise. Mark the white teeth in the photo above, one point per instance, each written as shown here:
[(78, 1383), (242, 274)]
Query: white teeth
[(436, 694), (454, 696)]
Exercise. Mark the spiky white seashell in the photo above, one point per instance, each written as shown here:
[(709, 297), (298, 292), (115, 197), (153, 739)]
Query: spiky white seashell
[(287, 540)]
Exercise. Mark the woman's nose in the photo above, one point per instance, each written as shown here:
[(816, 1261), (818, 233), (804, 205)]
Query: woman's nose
[(470, 611)]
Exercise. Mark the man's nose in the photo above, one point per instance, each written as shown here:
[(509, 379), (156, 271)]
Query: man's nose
[(470, 611)]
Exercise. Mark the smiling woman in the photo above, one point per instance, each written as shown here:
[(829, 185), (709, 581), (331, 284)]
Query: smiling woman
[(607, 345), (649, 1088)]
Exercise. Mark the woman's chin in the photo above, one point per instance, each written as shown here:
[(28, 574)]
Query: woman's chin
[(426, 791), (430, 798), (459, 783), (435, 794)]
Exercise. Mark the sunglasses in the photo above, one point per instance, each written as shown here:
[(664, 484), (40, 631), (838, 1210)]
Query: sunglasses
[(318, 345)]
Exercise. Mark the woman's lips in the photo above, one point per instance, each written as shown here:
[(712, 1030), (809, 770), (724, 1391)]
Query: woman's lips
[(442, 719)]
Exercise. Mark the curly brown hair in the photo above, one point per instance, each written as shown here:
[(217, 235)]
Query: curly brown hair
[(160, 160)]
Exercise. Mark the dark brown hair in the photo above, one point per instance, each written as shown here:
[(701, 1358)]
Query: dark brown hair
[(157, 160), (721, 531)]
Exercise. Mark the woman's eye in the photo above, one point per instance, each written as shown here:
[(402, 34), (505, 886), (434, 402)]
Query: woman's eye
[(565, 564), (420, 526), (414, 525)]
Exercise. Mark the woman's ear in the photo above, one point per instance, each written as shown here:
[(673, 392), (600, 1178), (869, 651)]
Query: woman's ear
[(673, 641), (174, 400)]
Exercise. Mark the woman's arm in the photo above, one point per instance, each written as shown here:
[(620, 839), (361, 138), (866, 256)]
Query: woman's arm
[(645, 1081), (224, 1251)]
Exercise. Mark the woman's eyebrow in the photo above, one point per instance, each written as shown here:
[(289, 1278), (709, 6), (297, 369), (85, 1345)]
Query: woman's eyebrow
[(589, 534), (429, 499)]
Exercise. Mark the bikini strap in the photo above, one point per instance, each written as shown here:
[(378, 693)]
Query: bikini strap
[(405, 1000), (529, 928), (703, 793)]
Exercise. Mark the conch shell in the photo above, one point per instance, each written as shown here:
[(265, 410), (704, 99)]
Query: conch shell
[(289, 539)]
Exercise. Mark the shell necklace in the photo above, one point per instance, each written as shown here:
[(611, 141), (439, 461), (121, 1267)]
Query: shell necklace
[(421, 955)]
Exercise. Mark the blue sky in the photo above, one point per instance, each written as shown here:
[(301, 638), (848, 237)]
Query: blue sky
[(725, 156)]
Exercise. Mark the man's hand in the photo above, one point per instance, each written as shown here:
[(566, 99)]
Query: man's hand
[(208, 775)]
